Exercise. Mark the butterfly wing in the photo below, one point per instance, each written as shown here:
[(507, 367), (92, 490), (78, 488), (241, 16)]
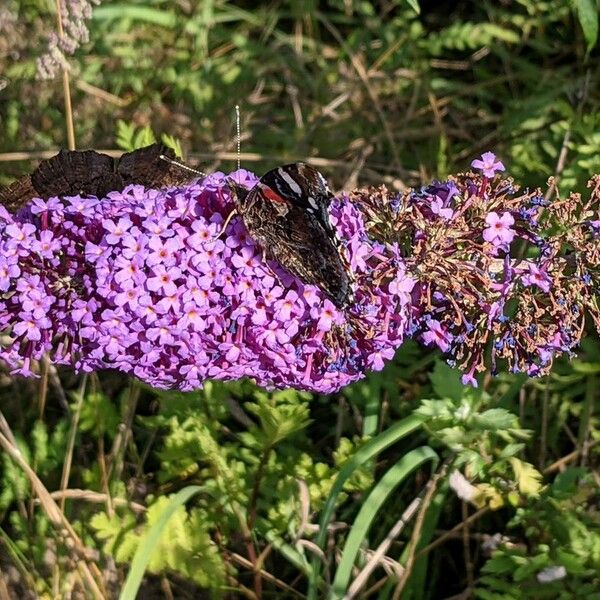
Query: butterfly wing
[(146, 167), (287, 215), (17, 194), (73, 172), (301, 185)]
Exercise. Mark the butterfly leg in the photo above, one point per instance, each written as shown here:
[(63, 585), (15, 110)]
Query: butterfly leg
[(265, 260), (227, 221)]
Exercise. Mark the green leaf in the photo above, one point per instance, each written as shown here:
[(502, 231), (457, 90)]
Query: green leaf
[(148, 544), (587, 368), (587, 13), (414, 4), (369, 511), (528, 477), (99, 415), (144, 137), (495, 418), (278, 421), (130, 138), (571, 562), (125, 133), (446, 381), (145, 14), (173, 143)]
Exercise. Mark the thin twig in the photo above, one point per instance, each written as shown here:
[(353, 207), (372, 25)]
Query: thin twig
[(544, 427), (571, 457), (452, 532), (58, 388), (104, 482), (244, 562), (66, 85), (95, 498), (105, 96), (252, 511), (583, 436), (43, 386), (414, 540), (381, 550), (422, 500), (117, 454), (467, 547)]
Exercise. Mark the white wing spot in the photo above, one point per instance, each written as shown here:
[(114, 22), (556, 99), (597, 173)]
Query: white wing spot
[(323, 181), (289, 180), (313, 203)]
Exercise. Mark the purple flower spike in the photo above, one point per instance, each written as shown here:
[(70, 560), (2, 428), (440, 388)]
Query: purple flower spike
[(488, 164), (145, 282)]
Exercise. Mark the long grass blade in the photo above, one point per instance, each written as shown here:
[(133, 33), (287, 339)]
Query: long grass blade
[(148, 544)]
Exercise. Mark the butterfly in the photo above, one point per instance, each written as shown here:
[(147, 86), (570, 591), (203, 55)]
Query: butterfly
[(88, 172), (286, 213)]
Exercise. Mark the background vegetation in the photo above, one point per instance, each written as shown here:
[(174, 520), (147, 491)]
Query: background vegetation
[(374, 93)]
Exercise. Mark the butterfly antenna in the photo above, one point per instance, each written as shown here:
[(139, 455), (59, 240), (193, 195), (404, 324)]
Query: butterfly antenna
[(182, 165), (238, 135)]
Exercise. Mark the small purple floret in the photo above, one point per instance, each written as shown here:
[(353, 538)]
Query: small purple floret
[(437, 334), (537, 276), (488, 164), (498, 231)]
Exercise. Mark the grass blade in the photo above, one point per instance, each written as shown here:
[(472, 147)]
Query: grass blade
[(145, 14), (148, 544)]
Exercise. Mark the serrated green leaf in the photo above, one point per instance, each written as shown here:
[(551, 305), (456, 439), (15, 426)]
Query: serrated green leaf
[(495, 418), (528, 478), (414, 4), (173, 143), (144, 137)]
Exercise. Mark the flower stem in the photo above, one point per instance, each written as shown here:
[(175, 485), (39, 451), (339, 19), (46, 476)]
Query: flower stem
[(66, 85)]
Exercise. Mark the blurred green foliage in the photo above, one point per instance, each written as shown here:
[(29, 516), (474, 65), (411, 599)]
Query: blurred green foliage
[(383, 92), (394, 92)]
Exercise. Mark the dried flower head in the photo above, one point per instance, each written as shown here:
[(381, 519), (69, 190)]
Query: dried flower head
[(495, 287)]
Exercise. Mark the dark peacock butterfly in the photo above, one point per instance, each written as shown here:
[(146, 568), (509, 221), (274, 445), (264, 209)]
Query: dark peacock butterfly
[(88, 172)]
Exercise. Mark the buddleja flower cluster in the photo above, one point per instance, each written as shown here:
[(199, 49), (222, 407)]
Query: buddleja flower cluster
[(504, 277), (147, 282)]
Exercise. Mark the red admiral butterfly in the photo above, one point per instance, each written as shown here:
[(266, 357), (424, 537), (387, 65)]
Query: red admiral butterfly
[(286, 212), (88, 172)]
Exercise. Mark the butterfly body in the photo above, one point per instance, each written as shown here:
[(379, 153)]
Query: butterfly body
[(286, 213), (92, 173)]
